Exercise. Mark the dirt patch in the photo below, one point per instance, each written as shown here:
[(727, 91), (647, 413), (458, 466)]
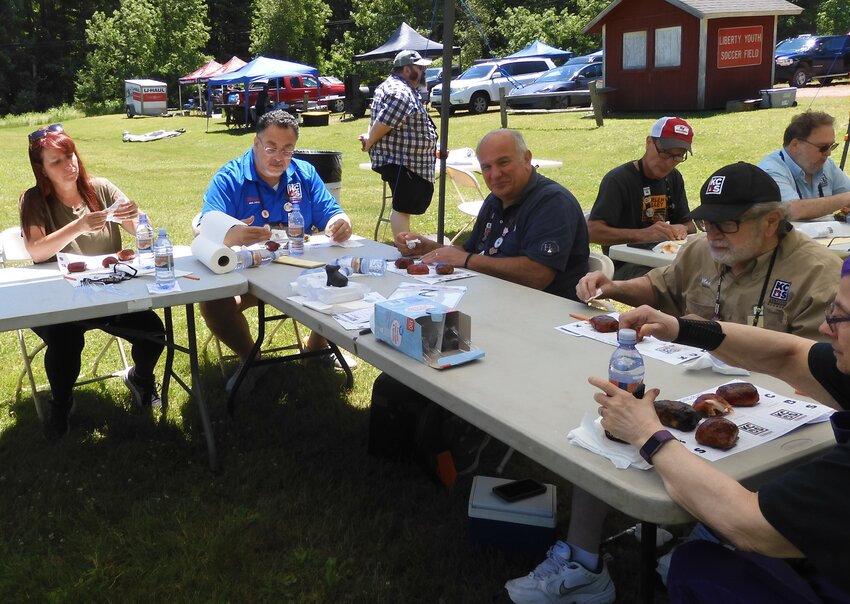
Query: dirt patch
[(831, 90)]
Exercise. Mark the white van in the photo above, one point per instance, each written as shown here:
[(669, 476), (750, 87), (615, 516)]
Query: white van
[(145, 97), (478, 87)]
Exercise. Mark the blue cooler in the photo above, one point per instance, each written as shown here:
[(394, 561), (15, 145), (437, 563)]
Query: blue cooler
[(528, 524)]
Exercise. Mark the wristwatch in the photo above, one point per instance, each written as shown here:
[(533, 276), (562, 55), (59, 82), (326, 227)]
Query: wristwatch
[(654, 444)]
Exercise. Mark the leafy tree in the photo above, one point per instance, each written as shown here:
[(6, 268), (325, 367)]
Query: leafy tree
[(291, 30), (833, 17), (142, 38)]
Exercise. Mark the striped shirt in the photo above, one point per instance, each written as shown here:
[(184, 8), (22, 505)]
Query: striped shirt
[(412, 142)]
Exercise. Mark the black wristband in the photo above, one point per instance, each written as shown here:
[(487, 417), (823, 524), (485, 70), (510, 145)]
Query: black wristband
[(707, 335), (466, 262)]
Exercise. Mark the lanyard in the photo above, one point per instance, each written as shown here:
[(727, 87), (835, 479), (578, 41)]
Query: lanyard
[(647, 183), (491, 219), (759, 308), (287, 207), (797, 186)]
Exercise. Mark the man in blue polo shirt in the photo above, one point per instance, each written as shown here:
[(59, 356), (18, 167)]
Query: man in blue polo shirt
[(808, 179), (259, 188)]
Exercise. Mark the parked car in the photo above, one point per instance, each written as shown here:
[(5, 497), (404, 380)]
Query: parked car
[(434, 75), (478, 87), (568, 77), (291, 90), (804, 58)]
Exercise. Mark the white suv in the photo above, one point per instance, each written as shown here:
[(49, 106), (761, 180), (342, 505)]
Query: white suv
[(478, 87)]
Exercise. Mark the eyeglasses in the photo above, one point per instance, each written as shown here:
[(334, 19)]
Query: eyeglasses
[(676, 157), (827, 148), (272, 152), (831, 320), (727, 227), (39, 134), (121, 271)]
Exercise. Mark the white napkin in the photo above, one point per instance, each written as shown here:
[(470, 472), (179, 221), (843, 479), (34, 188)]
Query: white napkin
[(707, 360), (591, 435)]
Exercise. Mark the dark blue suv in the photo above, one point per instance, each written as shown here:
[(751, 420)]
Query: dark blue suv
[(804, 58)]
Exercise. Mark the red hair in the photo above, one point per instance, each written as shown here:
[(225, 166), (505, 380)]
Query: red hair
[(33, 203)]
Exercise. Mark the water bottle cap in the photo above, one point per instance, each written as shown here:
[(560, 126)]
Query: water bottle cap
[(627, 336), (162, 231)]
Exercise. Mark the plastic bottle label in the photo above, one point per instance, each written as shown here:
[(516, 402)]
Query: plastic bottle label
[(630, 387)]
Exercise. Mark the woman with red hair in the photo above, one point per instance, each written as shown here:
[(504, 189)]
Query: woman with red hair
[(66, 212)]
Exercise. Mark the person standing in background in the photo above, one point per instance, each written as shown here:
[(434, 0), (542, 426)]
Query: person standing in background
[(402, 140)]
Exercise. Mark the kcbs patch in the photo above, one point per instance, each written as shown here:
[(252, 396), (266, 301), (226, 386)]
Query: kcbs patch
[(781, 290), (294, 191), (715, 185)]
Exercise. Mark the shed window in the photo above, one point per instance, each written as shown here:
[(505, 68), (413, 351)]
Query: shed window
[(634, 50), (668, 47)]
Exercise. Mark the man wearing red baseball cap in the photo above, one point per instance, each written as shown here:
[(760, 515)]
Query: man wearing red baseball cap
[(644, 200)]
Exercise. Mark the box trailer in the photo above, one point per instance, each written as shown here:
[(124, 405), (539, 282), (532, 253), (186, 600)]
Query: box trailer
[(145, 97)]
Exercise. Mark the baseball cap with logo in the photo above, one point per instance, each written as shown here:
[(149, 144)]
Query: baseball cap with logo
[(733, 190), (410, 57), (673, 133)]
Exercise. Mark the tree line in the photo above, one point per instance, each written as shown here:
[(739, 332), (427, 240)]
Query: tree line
[(55, 52)]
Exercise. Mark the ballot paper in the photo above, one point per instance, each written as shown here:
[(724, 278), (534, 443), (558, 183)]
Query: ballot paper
[(432, 277), (774, 416), (321, 240), (447, 295), (674, 354)]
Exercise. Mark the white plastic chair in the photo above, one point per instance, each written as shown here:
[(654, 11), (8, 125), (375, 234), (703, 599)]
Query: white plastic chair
[(464, 180), (13, 249), (600, 262)]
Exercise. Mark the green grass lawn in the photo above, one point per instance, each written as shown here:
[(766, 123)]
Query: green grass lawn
[(126, 510)]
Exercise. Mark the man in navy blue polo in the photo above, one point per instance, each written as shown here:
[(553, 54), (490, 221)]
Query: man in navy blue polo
[(259, 189), (530, 230)]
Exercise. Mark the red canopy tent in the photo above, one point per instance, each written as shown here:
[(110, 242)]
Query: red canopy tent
[(232, 65), (196, 77)]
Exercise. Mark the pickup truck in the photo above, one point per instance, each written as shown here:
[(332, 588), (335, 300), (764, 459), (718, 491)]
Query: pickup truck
[(804, 58), (291, 89)]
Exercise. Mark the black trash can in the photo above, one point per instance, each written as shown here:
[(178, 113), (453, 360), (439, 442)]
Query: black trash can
[(328, 165)]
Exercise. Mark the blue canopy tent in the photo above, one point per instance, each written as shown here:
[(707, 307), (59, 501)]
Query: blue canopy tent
[(540, 49), (261, 68)]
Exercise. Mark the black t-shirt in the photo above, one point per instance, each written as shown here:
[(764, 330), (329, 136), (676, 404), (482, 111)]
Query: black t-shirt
[(810, 505), (546, 225), (628, 199)]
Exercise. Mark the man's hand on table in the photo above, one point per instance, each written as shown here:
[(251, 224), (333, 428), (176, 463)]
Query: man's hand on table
[(414, 244), (339, 228), (448, 254), (247, 235), (628, 418), (590, 285), (664, 231)]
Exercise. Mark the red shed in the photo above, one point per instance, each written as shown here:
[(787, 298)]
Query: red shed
[(687, 54)]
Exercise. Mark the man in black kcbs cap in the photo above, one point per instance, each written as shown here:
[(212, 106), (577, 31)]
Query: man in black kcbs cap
[(750, 267)]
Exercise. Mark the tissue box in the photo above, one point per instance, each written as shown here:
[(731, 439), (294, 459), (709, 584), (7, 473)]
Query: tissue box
[(429, 332), (528, 524)]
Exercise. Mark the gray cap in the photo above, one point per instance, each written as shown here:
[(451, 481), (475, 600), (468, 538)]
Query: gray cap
[(410, 57)]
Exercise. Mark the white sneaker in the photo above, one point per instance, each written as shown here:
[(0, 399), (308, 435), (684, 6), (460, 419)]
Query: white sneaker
[(560, 580)]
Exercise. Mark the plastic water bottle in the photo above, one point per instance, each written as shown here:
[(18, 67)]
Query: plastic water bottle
[(163, 253), (295, 231), (144, 242), (364, 266), (626, 369), (251, 258)]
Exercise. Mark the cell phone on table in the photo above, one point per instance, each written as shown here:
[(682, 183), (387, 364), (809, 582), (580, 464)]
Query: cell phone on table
[(519, 490)]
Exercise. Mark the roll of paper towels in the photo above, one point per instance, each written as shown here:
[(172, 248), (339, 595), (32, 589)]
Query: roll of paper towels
[(218, 258)]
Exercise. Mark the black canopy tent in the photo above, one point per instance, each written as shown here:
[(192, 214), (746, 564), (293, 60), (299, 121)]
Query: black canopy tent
[(404, 38)]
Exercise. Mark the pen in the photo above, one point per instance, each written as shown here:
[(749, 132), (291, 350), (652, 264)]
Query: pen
[(579, 317), (69, 277), (192, 277)]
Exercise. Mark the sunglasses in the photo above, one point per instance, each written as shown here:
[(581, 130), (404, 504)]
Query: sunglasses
[(827, 148), (42, 132)]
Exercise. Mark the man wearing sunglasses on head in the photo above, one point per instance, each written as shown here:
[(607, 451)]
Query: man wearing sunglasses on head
[(750, 267), (644, 200), (808, 179), (259, 189)]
